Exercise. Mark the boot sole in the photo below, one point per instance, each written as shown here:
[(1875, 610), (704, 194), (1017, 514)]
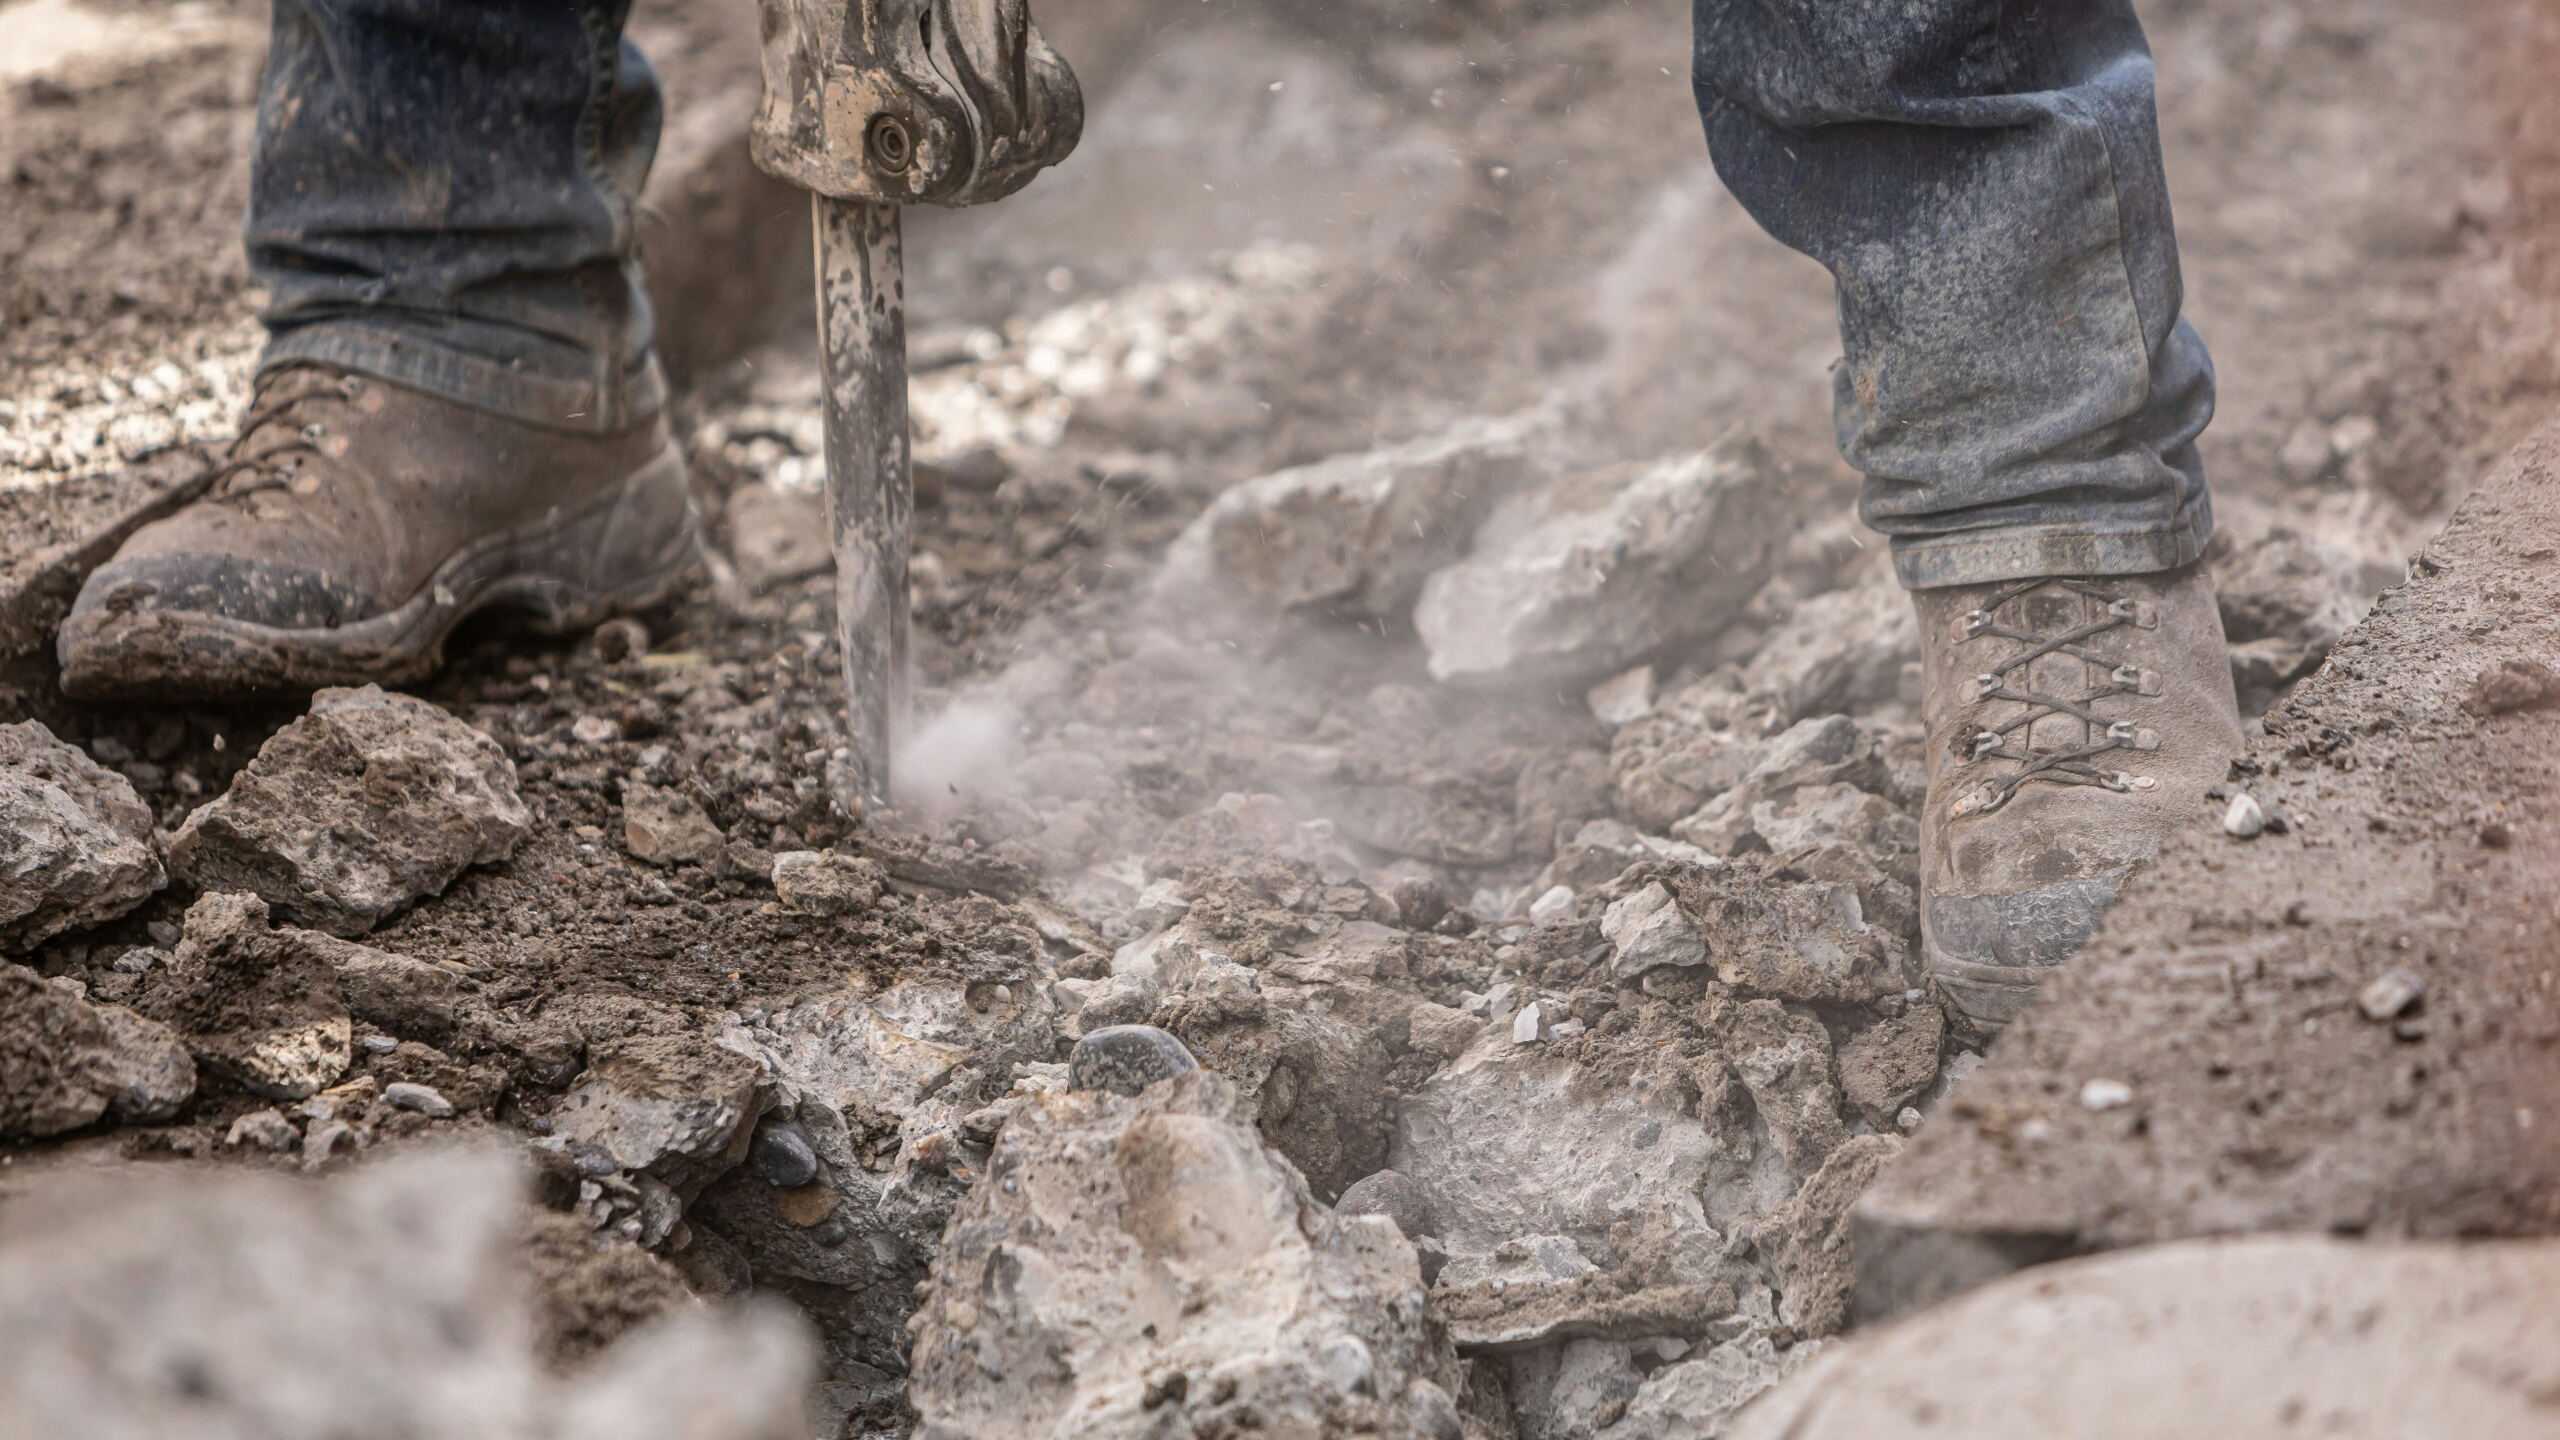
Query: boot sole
[(628, 549)]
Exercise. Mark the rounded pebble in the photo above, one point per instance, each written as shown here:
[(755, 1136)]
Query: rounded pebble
[(783, 1156), (1126, 1059), (1392, 1194)]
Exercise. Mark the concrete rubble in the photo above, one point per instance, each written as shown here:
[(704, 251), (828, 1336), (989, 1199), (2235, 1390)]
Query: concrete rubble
[(1148, 1266), (349, 815)]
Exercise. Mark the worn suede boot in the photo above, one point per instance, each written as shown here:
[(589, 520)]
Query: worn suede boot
[(2074, 725), (355, 523)]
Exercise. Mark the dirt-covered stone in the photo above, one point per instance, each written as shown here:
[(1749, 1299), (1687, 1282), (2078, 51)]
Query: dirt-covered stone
[(76, 847), (262, 1006), (66, 1063), (357, 810), (1185, 1278), (679, 1108)]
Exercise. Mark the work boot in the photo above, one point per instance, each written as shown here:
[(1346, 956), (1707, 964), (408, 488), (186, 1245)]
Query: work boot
[(355, 523), (2074, 725)]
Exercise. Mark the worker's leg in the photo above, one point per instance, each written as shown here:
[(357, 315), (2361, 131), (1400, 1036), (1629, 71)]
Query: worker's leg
[(1983, 178), (458, 408), (445, 195)]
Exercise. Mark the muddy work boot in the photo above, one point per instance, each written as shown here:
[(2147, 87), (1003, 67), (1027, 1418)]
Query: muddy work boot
[(355, 523), (2074, 725)]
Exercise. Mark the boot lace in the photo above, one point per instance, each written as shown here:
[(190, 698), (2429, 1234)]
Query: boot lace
[(2076, 765), (247, 471)]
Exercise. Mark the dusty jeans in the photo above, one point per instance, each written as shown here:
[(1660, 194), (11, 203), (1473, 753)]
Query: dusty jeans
[(445, 193), (1983, 180)]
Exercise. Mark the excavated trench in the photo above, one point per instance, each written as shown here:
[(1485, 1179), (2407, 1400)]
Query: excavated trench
[(1565, 922)]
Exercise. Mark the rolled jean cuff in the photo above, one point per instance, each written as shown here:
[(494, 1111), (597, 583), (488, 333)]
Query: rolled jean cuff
[(1930, 564), (580, 403)]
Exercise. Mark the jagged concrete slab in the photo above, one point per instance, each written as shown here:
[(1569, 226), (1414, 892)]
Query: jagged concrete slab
[(2209, 1065)]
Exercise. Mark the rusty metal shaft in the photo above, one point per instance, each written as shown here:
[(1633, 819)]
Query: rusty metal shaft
[(862, 339)]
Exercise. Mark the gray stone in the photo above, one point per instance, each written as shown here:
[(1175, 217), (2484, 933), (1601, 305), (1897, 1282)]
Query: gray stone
[(355, 811), (1697, 1399), (1689, 748), (777, 536), (265, 1129), (424, 1099), (1648, 930), (822, 882), (1133, 1212), (1126, 1059), (1355, 535), (1581, 578), (66, 1063), (1885, 1066), (75, 841), (1623, 698), (668, 827), (1806, 1243)]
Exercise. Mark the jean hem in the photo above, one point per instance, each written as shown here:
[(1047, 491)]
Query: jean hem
[(553, 402), (2036, 555)]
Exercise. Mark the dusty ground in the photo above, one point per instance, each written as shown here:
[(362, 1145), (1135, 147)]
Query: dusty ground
[(1354, 234)]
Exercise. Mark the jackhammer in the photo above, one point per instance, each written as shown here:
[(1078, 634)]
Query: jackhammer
[(871, 105)]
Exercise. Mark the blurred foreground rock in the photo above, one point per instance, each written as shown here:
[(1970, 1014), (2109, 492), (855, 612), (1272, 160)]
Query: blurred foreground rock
[(357, 810), (388, 1302), (2272, 1336), (1149, 1267), (75, 841)]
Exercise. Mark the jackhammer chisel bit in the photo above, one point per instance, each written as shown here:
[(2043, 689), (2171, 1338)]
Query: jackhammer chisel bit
[(871, 105)]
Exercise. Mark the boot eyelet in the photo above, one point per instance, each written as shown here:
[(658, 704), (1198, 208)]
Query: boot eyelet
[(1984, 744), (1985, 686), (351, 386), (1972, 623)]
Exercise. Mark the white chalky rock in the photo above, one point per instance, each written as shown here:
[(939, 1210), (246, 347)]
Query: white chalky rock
[(1649, 931), (1356, 534), (1581, 578), (1624, 698), (2244, 819), (1139, 1267)]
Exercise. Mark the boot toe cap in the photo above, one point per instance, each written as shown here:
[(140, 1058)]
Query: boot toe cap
[(240, 588)]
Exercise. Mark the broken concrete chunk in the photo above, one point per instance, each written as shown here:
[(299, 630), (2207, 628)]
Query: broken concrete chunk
[(1784, 1059), (66, 1063), (1885, 1066), (262, 1006), (1795, 940), (822, 882), (357, 810), (1133, 1212), (135, 1297), (1579, 579), (680, 1108), (1649, 930), (1358, 534), (1820, 817), (1838, 651), (75, 841), (1696, 1399), (668, 827), (1806, 1243)]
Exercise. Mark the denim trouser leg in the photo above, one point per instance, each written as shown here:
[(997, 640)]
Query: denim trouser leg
[(444, 196), (1983, 180)]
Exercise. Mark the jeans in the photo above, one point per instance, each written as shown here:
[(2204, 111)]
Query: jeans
[(445, 194), (1983, 180)]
